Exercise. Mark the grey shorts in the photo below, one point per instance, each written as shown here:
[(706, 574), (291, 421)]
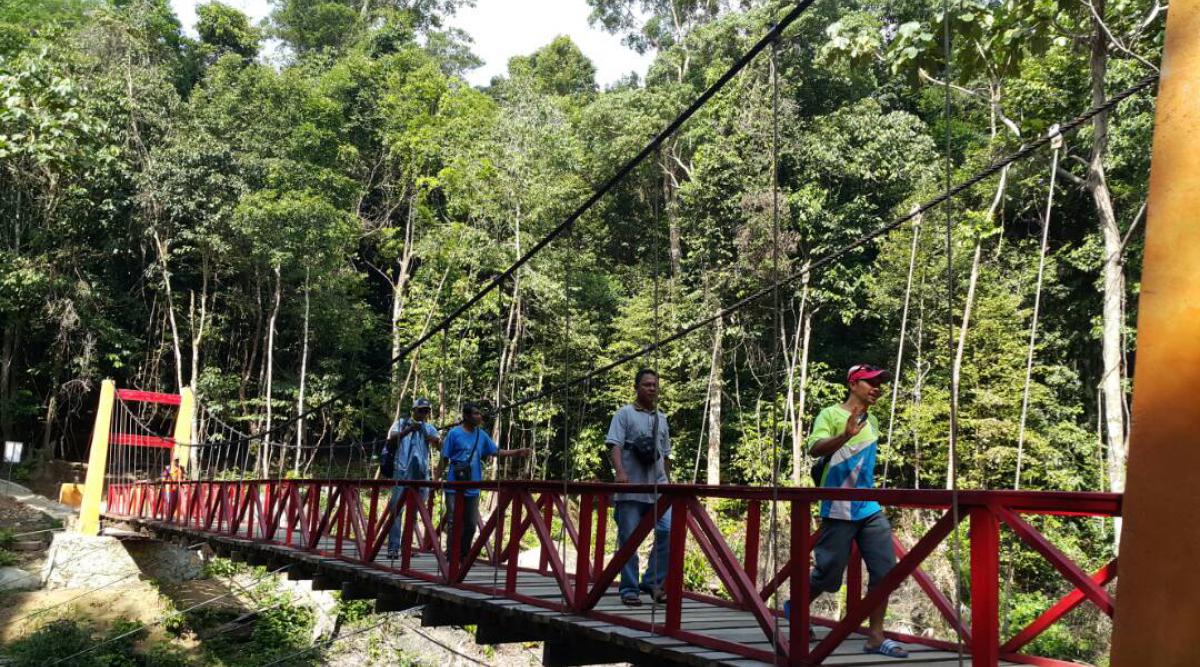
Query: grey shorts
[(874, 537)]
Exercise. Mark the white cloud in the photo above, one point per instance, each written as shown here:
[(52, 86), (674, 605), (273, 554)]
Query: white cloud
[(506, 28), (186, 11), (502, 29)]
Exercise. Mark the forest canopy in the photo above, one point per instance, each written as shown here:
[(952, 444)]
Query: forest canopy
[(185, 211)]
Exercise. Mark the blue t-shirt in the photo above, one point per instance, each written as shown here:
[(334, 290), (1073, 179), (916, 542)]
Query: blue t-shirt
[(411, 457), (457, 448)]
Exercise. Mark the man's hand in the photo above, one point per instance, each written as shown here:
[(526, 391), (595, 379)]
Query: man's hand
[(855, 422), (618, 468)]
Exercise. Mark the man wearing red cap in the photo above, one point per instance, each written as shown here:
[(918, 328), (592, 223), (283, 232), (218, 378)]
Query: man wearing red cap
[(846, 438)]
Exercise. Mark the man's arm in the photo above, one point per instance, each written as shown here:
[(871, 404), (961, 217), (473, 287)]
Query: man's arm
[(511, 453)]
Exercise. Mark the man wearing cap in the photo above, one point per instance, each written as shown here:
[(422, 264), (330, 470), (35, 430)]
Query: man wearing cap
[(408, 444), (846, 438)]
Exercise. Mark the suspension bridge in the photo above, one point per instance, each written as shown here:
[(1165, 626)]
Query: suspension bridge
[(331, 528)]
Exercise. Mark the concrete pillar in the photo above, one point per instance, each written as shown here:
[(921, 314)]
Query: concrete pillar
[(1158, 585)]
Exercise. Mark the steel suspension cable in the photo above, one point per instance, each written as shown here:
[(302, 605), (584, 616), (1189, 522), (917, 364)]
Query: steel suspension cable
[(603, 189), (1033, 330), (1037, 303), (777, 337), (163, 619), (912, 260), (950, 289), (809, 268)]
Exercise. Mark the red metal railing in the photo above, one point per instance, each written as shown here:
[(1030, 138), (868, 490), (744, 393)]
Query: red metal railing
[(350, 519)]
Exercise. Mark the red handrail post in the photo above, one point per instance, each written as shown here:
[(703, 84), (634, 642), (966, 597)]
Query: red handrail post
[(798, 622), (410, 502), (547, 502), (985, 587), (753, 538), (601, 534), (582, 552), (854, 578), (677, 546), (372, 520), (456, 534), (514, 546), (341, 522)]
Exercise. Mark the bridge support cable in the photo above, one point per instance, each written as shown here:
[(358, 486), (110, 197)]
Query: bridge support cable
[(775, 374), (956, 546), (161, 560), (163, 619), (599, 193), (809, 268), (1033, 330), (900, 344)]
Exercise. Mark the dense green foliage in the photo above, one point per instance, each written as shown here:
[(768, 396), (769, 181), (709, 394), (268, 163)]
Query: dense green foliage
[(177, 213)]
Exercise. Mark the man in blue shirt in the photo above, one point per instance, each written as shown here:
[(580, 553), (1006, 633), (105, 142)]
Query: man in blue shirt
[(408, 444), (846, 438), (463, 452)]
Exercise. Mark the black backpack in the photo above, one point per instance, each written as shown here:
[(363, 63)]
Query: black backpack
[(645, 447), (818, 470)]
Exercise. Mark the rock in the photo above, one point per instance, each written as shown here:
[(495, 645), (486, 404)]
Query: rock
[(165, 561), (84, 561), (16, 579)]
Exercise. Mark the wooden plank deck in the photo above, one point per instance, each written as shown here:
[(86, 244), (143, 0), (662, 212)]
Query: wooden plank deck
[(639, 646)]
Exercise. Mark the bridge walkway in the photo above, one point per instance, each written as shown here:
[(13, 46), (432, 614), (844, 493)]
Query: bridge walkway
[(570, 639)]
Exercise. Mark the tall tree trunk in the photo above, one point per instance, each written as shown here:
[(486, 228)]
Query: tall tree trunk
[(671, 210), (1112, 380), (715, 380), (796, 398), (303, 379), (161, 248), (8, 353), (198, 324), (512, 329), (269, 372), (964, 327), (399, 292)]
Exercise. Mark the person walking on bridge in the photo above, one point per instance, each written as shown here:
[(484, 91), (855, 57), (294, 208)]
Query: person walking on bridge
[(845, 437), (463, 452), (640, 448), (407, 456)]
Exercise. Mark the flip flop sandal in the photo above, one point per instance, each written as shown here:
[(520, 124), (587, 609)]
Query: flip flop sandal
[(888, 648), (631, 600), (659, 595)]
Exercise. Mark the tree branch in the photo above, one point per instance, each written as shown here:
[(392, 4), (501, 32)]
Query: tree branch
[(1112, 39)]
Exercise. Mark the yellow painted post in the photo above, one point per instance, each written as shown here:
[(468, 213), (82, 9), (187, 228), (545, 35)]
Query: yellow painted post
[(93, 487), (183, 428), (1158, 608)]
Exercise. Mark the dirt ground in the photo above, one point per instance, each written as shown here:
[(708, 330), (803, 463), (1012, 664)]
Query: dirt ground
[(18, 518)]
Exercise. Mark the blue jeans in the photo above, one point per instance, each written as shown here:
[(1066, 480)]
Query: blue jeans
[(628, 514), (398, 515)]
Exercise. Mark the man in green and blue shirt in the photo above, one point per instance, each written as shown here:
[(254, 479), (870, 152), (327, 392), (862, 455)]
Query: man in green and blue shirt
[(846, 437)]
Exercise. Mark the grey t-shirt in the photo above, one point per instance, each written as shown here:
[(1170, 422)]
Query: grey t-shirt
[(628, 424)]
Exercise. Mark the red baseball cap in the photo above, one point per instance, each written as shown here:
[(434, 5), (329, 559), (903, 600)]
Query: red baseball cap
[(867, 372)]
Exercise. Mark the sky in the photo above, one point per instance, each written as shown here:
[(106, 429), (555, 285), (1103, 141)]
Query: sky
[(503, 29)]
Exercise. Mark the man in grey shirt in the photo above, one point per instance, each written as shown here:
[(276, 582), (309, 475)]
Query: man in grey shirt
[(641, 423)]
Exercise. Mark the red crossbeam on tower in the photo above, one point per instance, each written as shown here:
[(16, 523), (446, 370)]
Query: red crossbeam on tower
[(136, 440), (148, 397)]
